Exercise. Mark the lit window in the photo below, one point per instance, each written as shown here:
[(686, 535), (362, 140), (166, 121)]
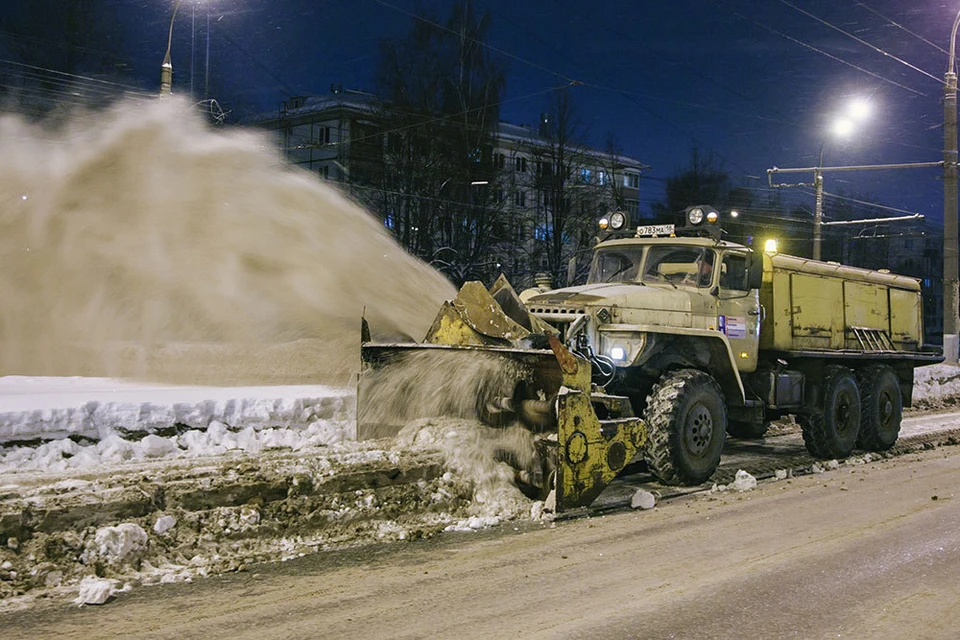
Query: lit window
[(631, 180), (585, 175), (603, 178)]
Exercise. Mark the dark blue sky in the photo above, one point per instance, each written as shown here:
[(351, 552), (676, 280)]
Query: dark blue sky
[(752, 83)]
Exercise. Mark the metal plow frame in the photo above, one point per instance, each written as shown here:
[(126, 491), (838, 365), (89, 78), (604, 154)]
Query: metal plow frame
[(581, 454)]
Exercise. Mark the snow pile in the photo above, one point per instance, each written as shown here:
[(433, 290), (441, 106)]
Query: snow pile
[(936, 386), (95, 408), (155, 422), (489, 460)]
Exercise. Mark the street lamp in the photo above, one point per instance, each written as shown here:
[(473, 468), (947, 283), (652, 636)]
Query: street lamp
[(951, 311), (842, 127), (166, 69)]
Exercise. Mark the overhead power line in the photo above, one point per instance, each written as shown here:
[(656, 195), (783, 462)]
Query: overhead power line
[(860, 40), (822, 52), (904, 29)]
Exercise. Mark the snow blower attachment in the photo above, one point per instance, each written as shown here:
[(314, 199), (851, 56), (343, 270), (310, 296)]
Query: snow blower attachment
[(486, 358)]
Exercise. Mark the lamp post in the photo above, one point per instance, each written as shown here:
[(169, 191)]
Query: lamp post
[(818, 205), (844, 126), (166, 69), (950, 305)]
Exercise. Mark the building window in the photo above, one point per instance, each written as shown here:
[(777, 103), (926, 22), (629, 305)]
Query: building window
[(603, 178), (521, 164), (520, 198), (499, 160), (321, 135), (585, 176), (631, 180), (325, 172), (633, 208), (542, 231)]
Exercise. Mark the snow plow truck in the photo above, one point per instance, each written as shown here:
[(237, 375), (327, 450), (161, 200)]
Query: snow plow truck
[(677, 339)]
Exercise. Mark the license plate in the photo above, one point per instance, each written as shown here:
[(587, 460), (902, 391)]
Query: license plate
[(655, 230)]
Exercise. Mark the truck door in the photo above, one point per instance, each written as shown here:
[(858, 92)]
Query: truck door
[(738, 310)]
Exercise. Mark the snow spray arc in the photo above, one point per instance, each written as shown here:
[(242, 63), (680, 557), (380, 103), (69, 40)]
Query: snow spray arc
[(140, 242)]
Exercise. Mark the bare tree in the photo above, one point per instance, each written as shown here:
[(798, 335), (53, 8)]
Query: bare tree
[(568, 201), (442, 92)]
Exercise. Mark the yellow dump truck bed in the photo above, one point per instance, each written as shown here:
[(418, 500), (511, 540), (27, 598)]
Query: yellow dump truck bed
[(812, 305)]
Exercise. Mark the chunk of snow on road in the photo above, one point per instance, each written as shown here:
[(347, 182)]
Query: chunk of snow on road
[(743, 482), (643, 499), (94, 590)]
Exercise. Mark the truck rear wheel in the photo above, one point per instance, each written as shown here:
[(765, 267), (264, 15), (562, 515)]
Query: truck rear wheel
[(686, 416), (832, 432), (881, 408)]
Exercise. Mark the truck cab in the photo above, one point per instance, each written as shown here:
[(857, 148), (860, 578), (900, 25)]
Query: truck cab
[(707, 336)]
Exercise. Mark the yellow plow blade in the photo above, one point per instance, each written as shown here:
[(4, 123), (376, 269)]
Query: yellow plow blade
[(479, 361)]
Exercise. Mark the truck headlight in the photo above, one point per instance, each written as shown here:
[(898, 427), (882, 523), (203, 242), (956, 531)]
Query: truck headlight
[(622, 347)]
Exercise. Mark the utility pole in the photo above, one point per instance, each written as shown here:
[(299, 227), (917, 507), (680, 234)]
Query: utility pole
[(951, 310), (818, 210)]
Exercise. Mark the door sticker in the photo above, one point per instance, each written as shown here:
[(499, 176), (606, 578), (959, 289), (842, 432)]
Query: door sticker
[(733, 327)]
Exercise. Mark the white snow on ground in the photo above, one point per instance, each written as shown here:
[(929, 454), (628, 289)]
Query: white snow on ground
[(104, 414), (72, 440), (101, 415), (55, 430)]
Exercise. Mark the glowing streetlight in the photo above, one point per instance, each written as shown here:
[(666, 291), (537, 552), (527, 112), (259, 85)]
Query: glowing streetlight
[(857, 111)]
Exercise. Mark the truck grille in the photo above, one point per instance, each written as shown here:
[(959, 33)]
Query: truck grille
[(558, 316)]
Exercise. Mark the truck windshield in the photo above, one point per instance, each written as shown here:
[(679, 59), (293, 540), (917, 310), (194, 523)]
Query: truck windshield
[(679, 266), (616, 264)]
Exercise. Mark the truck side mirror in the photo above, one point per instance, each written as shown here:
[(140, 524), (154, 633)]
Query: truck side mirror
[(754, 269)]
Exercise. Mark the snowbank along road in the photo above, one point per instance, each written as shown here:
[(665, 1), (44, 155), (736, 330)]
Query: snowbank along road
[(106, 486)]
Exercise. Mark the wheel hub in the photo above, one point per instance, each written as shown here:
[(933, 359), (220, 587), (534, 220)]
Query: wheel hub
[(842, 415), (886, 410), (699, 430)]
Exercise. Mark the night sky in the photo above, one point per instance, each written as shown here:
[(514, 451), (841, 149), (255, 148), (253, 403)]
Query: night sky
[(752, 84)]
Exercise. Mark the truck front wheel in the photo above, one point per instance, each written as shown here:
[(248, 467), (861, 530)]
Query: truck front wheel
[(686, 417), (881, 408), (832, 432)]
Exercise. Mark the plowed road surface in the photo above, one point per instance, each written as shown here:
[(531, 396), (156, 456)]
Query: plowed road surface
[(870, 551)]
